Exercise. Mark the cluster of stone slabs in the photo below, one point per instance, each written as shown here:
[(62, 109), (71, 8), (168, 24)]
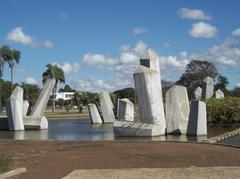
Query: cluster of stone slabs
[(179, 117)]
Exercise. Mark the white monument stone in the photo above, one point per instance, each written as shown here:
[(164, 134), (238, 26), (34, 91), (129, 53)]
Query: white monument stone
[(94, 114), (14, 109), (36, 120), (125, 110), (198, 93), (219, 94), (177, 110), (148, 89), (197, 124), (208, 88), (25, 107), (106, 107)]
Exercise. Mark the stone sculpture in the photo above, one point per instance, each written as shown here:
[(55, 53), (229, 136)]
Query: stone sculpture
[(219, 94), (177, 110), (198, 93), (106, 107), (94, 114), (197, 124), (208, 88), (125, 110)]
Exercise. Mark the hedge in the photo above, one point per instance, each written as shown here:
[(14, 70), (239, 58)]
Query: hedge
[(223, 111)]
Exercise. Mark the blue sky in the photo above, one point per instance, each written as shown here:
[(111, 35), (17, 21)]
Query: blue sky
[(98, 43)]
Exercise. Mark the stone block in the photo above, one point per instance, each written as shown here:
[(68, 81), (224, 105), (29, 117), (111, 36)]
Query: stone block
[(197, 124), (198, 93), (125, 110), (35, 122), (106, 107), (25, 107), (94, 114), (219, 94), (177, 110), (14, 108), (208, 88)]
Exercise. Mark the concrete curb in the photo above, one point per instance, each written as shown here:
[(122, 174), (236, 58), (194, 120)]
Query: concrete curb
[(13, 173)]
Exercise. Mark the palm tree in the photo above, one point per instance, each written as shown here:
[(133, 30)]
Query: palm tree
[(53, 71), (11, 56)]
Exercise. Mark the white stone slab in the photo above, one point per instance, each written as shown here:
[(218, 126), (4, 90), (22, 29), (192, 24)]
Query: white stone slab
[(125, 110), (41, 103), (35, 122), (130, 129), (106, 107), (14, 110), (208, 88), (149, 97), (25, 107), (198, 93), (94, 114), (177, 110), (197, 124), (219, 94)]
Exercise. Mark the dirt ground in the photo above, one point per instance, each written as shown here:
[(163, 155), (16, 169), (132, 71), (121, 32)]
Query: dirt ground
[(55, 159)]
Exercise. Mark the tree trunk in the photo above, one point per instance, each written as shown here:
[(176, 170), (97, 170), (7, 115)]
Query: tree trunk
[(12, 78), (53, 99)]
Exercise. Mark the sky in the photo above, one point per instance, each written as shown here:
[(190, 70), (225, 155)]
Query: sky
[(98, 43)]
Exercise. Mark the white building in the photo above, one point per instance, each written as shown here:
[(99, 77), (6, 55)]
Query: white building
[(64, 95)]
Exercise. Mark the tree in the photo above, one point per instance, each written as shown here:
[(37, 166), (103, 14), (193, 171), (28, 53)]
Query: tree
[(53, 71), (222, 83), (66, 88), (194, 74), (236, 92), (126, 93), (166, 85), (31, 93), (11, 56), (80, 100)]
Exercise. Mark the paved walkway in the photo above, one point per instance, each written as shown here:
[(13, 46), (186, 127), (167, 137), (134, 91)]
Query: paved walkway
[(52, 159)]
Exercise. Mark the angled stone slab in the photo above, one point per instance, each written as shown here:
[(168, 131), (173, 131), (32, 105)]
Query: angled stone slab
[(208, 88), (198, 93), (94, 114), (149, 97), (41, 103), (130, 129), (219, 94), (125, 110), (14, 109), (106, 107), (197, 124), (177, 110), (25, 107)]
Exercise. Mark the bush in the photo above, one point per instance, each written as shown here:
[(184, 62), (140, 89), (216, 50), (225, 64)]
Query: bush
[(223, 111), (4, 163)]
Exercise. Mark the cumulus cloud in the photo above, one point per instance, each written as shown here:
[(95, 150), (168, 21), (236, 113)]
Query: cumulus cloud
[(30, 80), (139, 30), (17, 35), (203, 30), (236, 32), (92, 59), (70, 68), (195, 14)]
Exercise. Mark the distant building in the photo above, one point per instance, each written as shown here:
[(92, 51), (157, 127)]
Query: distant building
[(64, 95)]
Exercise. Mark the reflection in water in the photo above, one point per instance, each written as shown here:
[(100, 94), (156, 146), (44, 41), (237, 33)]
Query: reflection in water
[(80, 130)]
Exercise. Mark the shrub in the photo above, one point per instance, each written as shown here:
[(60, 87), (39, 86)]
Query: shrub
[(4, 163), (223, 111)]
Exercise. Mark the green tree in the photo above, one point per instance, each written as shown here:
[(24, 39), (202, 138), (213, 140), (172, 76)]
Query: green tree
[(236, 92), (31, 93), (66, 88), (80, 100), (194, 74), (125, 93), (53, 71), (11, 56)]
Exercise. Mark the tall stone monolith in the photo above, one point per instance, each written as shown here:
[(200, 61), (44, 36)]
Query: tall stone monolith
[(219, 94), (106, 107), (14, 109), (208, 88), (125, 110), (197, 124), (94, 114), (177, 110), (198, 93)]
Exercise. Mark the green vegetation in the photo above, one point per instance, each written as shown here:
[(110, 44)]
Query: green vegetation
[(223, 111), (4, 163), (124, 93)]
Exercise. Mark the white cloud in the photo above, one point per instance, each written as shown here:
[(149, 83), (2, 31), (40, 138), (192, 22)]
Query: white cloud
[(166, 45), (17, 35), (30, 80), (195, 14), (127, 57), (19, 69), (238, 84), (70, 68), (236, 32), (124, 48), (139, 30), (48, 44), (92, 59), (203, 30)]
